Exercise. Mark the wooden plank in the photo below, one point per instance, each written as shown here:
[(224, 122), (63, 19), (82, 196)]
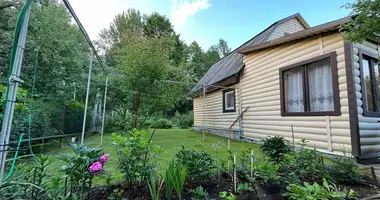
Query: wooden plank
[(44, 138), (241, 115)]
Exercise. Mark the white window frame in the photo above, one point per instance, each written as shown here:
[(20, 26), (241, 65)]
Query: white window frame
[(232, 95)]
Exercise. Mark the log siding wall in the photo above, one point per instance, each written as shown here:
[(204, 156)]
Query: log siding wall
[(368, 126), (214, 118), (261, 92)]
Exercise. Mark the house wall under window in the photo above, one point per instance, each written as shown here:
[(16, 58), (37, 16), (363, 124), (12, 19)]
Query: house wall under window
[(369, 126), (260, 87), (212, 115)]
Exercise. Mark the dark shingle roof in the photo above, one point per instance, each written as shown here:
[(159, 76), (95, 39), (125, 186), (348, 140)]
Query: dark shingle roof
[(232, 63), (326, 27)]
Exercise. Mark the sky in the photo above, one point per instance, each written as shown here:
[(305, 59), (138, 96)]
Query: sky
[(206, 21)]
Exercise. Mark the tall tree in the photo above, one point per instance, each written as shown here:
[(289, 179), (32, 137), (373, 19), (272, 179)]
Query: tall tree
[(222, 48), (146, 56), (365, 22)]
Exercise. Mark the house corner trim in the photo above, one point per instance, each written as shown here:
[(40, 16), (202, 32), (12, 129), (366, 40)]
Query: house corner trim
[(352, 104)]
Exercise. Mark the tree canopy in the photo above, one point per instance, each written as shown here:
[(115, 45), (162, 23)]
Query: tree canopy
[(155, 69), (366, 20)]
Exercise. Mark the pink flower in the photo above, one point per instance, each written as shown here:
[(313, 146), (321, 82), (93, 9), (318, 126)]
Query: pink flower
[(104, 158), (95, 168)]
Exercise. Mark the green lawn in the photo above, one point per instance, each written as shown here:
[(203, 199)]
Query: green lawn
[(170, 140)]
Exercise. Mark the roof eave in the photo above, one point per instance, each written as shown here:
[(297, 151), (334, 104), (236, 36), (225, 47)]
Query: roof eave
[(298, 35)]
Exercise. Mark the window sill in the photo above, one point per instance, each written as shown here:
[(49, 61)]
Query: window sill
[(229, 111), (303, 114), (371, 114)]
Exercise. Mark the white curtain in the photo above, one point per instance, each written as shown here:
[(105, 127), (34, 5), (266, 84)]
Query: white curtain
[(294, 89), (320, 86)]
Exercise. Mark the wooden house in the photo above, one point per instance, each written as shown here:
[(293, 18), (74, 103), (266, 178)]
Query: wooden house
[(299, 82)]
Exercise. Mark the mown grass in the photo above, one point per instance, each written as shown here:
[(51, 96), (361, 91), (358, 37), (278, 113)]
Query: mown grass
[(170, 140)]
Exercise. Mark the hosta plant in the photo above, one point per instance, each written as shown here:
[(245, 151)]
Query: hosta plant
[(326, 191)]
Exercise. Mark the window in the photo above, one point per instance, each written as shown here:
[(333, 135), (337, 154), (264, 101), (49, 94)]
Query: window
[(310, 88), (370, 82), (229, 100)]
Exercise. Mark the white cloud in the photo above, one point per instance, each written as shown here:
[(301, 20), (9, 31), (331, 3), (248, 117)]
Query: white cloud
[(182, 10), (96, 15)]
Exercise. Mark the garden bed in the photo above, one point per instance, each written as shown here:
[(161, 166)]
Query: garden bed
[(212, 186)]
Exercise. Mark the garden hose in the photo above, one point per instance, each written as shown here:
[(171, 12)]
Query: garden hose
[(15, 158), (20, 21)]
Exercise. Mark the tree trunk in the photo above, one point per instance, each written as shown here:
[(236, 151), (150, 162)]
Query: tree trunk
[(135, 109)]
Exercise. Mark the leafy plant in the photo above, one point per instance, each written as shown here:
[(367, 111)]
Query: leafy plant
[(117, 194), (137, 156), (244, 187), (154, 188), (266, 172), (228, 196), (275, 148), (304, 165), (78, 165), (325, 192), (176, 173), (168, 180), (243, 168), (199, 193), (344, 170), (199, 164), (28, 181)]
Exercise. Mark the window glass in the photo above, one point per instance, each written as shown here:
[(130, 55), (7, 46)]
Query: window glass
[(229, 100), (294, 94), (368, 85), (320, 86), (377, 81)]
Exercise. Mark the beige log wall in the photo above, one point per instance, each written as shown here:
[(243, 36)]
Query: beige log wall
[(369, 127), (290, 26), (261, 92), (214, 118)]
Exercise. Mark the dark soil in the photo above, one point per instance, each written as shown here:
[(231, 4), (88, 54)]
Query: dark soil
[(212, 186)]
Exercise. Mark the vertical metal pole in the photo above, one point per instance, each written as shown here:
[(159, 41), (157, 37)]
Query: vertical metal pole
[(203, 112), (252, 163), (87, 94), (104, 111), (228, 155), (75, 91), (12, 93), (234, 168)]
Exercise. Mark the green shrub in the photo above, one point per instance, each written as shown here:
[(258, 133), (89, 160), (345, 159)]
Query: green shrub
[(318, 192), (200, 164), (161, 123), (137, 157), (305, 165), (275, 148), (74, 118), (344, 170), (266, 172), (185, 120)]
